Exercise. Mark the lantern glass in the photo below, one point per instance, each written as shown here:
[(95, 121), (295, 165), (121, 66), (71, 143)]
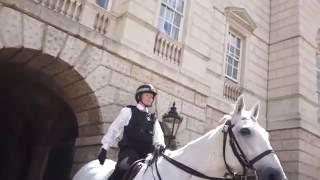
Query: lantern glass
[(171, 124)]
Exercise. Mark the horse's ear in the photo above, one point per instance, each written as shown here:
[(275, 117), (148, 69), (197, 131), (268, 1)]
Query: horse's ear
[(239, 106), (255, 111)]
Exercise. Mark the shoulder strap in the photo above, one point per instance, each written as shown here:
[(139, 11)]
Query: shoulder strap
[(131, 106)]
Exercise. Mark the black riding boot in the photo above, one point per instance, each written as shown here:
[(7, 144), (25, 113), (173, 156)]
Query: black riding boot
[(117, 174)]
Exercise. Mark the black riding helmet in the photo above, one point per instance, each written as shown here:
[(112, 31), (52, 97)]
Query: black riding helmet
[(145, 88)]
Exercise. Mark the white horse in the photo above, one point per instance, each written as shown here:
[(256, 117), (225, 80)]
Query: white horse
[(209, 154)]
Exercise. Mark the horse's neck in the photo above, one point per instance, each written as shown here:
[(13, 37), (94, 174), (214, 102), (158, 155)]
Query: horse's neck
[(204, 154)]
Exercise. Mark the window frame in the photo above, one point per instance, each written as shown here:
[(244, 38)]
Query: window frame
[(227, 55), (239, 22), (159, 18)]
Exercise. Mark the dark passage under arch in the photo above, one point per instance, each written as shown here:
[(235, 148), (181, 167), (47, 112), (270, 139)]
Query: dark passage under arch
[(37, 128)]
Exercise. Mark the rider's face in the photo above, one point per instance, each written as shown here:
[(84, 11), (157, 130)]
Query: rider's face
[(147, 99)]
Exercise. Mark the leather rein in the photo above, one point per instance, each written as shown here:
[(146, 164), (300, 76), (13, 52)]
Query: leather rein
[(246, 164)]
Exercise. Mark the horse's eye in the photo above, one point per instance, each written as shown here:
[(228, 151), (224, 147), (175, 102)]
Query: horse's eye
[(245, 131)]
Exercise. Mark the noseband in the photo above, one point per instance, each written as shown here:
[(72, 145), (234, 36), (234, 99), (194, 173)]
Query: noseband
[(246, 164)]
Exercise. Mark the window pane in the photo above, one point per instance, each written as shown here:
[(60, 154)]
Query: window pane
[(236, 64), (232, 49), (229, 69), (161, 25), (226, 70), (167, 27), (238, 52), (175, 32), (180, 5), (235, 74), (229, 60), (238, 43), (102, 3), (233, 56), (162, 11), (172, 3), (177, 19), (169, 15), (230, 37), (233, 42)]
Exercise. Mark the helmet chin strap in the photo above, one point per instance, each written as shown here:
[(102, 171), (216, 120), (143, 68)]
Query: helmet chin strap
[(145, 104)]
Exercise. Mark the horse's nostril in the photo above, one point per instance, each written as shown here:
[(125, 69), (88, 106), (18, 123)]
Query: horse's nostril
[(271, 177), (274, 176), (270, 174)]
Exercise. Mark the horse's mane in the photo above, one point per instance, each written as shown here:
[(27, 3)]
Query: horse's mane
[(207, 135), (225, 118)]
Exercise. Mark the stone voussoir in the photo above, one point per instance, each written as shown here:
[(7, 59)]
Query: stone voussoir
[(54, 41), (11, 28)]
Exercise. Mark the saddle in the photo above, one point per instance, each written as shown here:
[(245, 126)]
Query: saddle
[(133, 170)]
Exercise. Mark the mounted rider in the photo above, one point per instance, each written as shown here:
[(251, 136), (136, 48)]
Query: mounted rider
[(136, 130)]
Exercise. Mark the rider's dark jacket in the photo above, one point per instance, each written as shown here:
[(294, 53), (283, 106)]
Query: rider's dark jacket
[(138, 134), (134, 125)]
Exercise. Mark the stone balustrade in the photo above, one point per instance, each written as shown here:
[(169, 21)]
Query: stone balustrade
[(86, 12), (231, 91), (167, 48), (101, 22), (69, 8)]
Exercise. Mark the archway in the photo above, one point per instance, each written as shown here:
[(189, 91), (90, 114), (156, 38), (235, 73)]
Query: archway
[(38, 129), (43, 73), (44, 102)]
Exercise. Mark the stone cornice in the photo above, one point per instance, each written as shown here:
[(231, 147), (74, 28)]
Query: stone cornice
[(236, 15)]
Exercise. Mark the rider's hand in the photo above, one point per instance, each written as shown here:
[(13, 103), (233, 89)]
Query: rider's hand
[(159, 149), (102, 156)]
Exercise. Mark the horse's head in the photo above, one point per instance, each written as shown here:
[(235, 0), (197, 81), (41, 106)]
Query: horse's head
[(254, 142)]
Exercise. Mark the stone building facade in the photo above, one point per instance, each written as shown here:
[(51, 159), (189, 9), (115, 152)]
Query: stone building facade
[(91, 55)]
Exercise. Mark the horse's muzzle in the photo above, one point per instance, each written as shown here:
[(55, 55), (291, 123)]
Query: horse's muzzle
[(270, 174)]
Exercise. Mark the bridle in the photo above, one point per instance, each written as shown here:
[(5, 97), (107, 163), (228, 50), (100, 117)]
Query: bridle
[(247, 165)]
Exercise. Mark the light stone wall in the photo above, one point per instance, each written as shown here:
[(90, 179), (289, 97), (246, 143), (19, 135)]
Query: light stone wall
[(284, 64), (98, 83), (298, 150), (97, 73), (292, 99), (292, 61), (203, 36)]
